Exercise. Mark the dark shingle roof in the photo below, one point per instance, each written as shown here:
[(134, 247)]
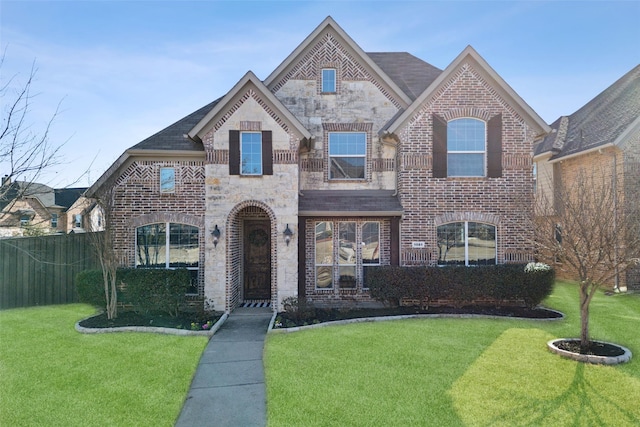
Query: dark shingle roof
[(172, 137), (67, 196), (349, 203), (601, 121), (411, 74)]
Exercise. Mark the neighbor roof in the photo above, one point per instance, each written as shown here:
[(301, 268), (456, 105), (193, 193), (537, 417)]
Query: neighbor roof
[(349, 203), (599, 122)]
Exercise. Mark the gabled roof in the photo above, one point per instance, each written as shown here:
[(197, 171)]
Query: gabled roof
[(330, 25), (48, 197), (65, 197), (470, 55), (605, 120), (249, 79)]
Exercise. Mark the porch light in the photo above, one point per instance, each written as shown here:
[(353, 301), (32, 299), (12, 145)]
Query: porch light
[(287, 235), (216, 235)]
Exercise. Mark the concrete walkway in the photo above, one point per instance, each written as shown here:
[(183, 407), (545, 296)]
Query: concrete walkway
[(228, 387)]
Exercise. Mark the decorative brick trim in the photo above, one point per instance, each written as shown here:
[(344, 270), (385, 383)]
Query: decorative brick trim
[(347, 127), (148, 172), (219, 157), (175, 217), (417, 257), (514, 161), (457, 113), (312, 165), (383, 165), (328, 50), (416, 161), (250, 126), (250, 94), (517, 257), (486, 218), (285, 157)]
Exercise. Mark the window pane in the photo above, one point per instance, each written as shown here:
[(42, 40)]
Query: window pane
[(349, 143), (481, 244), (466, 135), (324, 277), (346, 168), (328, 80), (251, 153), (184, 250), (167, 180), (371, 243), (451, 243), (347, 241), (324, 255), (348, 277), (465, 164), (151, 246)]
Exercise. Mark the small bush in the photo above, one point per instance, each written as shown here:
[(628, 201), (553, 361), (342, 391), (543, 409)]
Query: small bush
[(156, 289), (460, 286)]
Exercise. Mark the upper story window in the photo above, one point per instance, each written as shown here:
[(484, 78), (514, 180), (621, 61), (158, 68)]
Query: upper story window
[(328, 80), (347, 155), (77, 221), (466, 147), (54, 220), (466, 243), (251, 153), (167, 180)]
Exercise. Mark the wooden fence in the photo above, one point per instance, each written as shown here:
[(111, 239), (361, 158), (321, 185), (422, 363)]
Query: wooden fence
[(42, 270)]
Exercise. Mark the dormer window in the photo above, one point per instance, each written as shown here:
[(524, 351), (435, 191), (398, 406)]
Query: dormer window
[(328, 80)]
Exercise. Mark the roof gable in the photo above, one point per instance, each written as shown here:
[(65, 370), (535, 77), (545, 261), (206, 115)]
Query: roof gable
[(342, 47), (226, 104), (469, 55)]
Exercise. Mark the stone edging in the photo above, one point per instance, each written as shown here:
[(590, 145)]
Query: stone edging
[(405, 316), (590, 358), (155, 329)]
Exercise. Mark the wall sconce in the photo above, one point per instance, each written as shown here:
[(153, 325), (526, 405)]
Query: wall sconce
[(216, 235), (287, 235)]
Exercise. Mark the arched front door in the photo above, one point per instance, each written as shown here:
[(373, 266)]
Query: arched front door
[(257, 259)]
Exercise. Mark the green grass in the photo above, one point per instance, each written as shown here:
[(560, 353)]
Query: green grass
[(456, 372), (51, 375)]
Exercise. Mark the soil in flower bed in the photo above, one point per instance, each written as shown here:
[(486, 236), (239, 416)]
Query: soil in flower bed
[(184, 320), (320, 315), (594, 349)]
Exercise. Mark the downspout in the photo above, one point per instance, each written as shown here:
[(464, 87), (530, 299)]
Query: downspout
[(616, 286)]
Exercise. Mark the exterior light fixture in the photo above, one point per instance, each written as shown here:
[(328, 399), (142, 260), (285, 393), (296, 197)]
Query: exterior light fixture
[(287, 235), (216, 235)]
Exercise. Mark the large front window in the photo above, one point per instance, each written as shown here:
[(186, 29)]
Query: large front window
[(169, 245), (356, 244), (466, 243), (347, 154), (466, 147), (251, 153)]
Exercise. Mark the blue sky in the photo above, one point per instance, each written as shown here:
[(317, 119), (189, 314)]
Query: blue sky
[(126, 69)]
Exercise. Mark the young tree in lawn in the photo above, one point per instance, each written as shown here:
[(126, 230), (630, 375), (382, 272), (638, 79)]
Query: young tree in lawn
[(590, 228), (103, 244)]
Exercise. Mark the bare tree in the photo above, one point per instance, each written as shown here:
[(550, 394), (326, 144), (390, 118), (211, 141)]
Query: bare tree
[(24, 153), (589, 228), (103, 244)]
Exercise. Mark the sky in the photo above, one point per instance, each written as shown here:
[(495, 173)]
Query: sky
[(121, 71)]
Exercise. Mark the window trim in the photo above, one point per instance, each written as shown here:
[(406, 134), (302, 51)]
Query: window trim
[(466, 242), (363, 156), (477, 152), (333, 82)]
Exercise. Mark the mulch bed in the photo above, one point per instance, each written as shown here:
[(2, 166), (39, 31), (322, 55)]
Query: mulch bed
[(593, 349), (161, 320), (288, 320)]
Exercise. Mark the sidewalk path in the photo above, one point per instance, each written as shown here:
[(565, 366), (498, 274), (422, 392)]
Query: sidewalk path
[(228, 387)]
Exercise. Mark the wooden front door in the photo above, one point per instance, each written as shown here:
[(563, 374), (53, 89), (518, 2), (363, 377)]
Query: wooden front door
[(257, 260)]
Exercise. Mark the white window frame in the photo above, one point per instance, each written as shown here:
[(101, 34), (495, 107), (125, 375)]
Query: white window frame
[(455, 152), (332, 83), (242, 172), (363, 156)]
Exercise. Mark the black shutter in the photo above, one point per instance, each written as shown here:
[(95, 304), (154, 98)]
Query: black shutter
[(494, 147), (439, 147), (234, 152), (267, 153)]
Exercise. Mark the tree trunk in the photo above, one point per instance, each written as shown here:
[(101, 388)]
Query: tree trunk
[(584, 315)]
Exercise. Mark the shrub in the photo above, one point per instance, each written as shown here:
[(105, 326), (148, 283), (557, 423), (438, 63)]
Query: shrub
[(156, 289), (90, 287), (460, 286)]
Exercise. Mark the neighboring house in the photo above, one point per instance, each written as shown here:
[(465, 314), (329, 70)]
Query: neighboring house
[(339, 159), (29, 208), (602, 136)]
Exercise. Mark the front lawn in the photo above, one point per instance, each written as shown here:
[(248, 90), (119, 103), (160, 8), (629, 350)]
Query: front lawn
[(51, 375), (451, 372)]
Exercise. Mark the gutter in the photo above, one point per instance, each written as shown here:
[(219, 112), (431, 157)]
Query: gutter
[(580, 153)]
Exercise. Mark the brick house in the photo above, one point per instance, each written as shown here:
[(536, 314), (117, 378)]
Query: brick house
[(339, 159), (28, 208), (602, 136)]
